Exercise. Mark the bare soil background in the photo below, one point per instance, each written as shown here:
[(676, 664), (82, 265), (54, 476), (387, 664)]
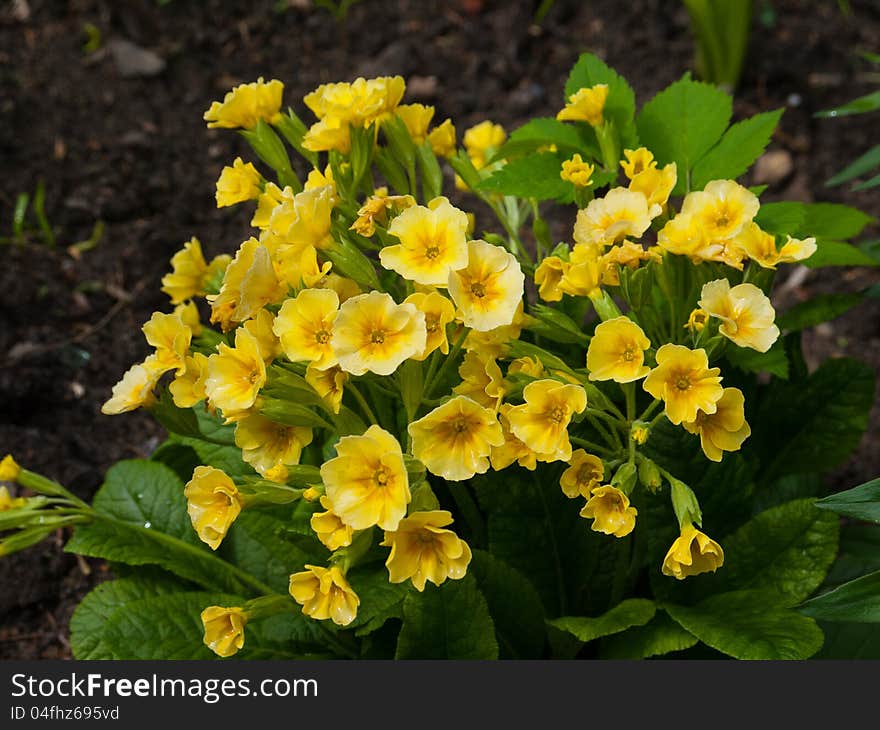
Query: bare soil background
[(117, 135)]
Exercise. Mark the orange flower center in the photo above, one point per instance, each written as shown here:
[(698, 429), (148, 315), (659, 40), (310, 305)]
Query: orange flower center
[(460, 425), (478, 289), (322, 337), (377, 337)]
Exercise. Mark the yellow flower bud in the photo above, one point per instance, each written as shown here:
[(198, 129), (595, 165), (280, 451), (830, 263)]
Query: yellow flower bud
[(611, 512), (9, 469), (224, 629), (213, 503), (692, 553)]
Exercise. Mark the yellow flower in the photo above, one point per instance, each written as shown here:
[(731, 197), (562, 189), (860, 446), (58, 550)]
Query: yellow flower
[(344, 287), (235, 375), (541, 423), (442, 139), (187, 278), (637, 161), (135, 389), (482, 380), (213, 503), (189, 388), (585, 472), (439, 312), (724, 430), (366, 482), (261, 328), (238, 183), (760, 247), (432, 243), (627, 254), (489, 289), (329, 384), (585, 105), (692, 553), (270, 198), (224, 629), (246, 105), (305, 218), (328, 134), (7, 502), (655, 184), (582, 275), (417, 118), (360, 102), (296, 264), (745, 312), (318, 179), (722, 209), (455, 439), (617, 351), (325, 593), (421, 550), (270, 447), (493, 342), (331, 531), (189, 315), (548, 275), (171, 338), (530, 366), (377, 208), (512, 449), (685, 382), (697, 320), (305, 324), (620, 214), (482, 140), (577, 172), (639, 434), (372, 333), (9, 469), (795, 249), (610, 511)]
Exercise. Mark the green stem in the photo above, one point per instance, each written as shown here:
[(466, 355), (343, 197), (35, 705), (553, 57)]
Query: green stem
[(362, 402), (611, 437), (591, 446), (649, 410), (447, 363)]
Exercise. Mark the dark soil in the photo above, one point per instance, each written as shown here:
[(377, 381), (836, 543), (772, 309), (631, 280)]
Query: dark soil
[(134, 153)]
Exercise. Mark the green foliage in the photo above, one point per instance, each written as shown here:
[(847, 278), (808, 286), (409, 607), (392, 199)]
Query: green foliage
[(661, 635), (629, 613), (856, 601), (862, 502), (534, 176), (721, 31), (620, 106)]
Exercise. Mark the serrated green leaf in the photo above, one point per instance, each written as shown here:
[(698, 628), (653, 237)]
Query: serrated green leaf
[(774, 361), (514, 605), (862, 502), (681, 124), (785, 218), (745, 625), (857, 601), (628, 613), (821, 308), (740, 146), (838, 253), (661, 635), (450, 621), (534, 176), (858, 167)]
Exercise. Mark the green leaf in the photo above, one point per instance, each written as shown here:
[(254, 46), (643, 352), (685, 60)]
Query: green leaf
[(781, 219), (833, 221), (681, 124), (746, 625), (862, 502), (661, 635), (535, 176), (812, 425), (774, 361), (859, 554), (628, 613), (450, 621), (850, 641), (861, 105), (514, 605), (542, 132), (821, 308), (381, 600), (863, 164), (872, 182), (740, 146), (226, 458), (620, 106), (838, 253), (857, 601)]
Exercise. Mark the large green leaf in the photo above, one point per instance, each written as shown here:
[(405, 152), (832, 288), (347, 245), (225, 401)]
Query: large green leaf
[(450, 621), (857, 601), (746, 625), (380, 599), (661, 635), (628, 613), (850, 641), (534, 176), (620, 106), (859, 554), (818, 309), (542, 132), (514, 605), (774, 361), (681, 124), (838, 253), (862, 502), (781, 219), (833, 221), (740, 146)]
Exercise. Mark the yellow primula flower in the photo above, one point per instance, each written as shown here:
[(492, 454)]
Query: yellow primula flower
[(617, 351), (359, 103), (722, 209), (344, 287), (270, 198), (455, 439), (318, 179), (541, 423), (489, 289), (261, 328), (367, 482), (304, 325), (270, 447), (795, 249), (583, 273), (325, 593), (621, 213), (626, 254), (9, 469), (135, 389), (224, 629), (432, 244), (187, 278), (697, 319), (745, 312), (330, 530), (584, 473), (246, 105), (296, 264), (439, 312), (684, 381), (328, 134), (512, 449), (442, 139), (482, 380), (378, 207), (692, 553), (372, 333), (7, 501), (548, 275), (481, 141), (637, 161), (171, 338), (585, 105), (213, 504), (329, 384), (724, 430), (188, 389), (760, 247), (305, 218), (530, 366), (494, 342), (238, 183), (610, 511), (656, 184), (235, 375), (577, 172), (421, 550), (417, 118), (189, 315)]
